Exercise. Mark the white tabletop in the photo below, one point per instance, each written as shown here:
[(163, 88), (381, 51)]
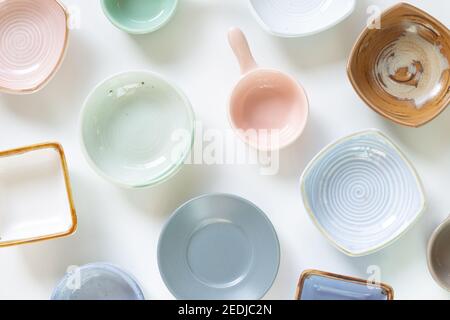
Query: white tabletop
[(122, 226)]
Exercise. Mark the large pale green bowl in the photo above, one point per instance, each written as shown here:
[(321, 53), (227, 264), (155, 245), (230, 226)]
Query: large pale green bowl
[(139, 16), (136, 129)]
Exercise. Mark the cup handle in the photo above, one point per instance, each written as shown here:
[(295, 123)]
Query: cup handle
[(241, 49)]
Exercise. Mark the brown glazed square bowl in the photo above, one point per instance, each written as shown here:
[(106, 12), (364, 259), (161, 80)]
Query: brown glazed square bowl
[(402, 69)]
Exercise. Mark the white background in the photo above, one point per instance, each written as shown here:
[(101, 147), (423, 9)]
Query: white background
[(123, 226)]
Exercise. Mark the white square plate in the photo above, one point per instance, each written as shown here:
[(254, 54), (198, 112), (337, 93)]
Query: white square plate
[(35, 195)]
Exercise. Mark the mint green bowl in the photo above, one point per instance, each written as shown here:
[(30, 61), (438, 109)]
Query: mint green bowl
[(137, 129), (139, 16)]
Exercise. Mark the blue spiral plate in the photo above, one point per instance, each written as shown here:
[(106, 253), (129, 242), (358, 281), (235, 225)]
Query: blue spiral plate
[(362, 193)]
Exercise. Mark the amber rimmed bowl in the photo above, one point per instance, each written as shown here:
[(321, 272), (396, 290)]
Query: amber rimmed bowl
[(401, 68), (33, 42), (320, 285)]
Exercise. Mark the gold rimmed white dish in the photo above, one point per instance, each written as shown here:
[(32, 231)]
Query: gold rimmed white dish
[(36, 196)]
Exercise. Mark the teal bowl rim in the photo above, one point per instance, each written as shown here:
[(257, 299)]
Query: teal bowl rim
[(122, 27), (167, 174), (129, 278)]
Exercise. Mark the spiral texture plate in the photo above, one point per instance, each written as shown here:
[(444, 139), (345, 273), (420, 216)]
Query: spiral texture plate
[(32, 42), (290, 18), (362, 193)]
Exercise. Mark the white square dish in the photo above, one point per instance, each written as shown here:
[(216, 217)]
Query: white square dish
[(35, 195)]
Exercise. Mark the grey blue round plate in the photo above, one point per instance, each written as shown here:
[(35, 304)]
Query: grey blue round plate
[(218, 247)]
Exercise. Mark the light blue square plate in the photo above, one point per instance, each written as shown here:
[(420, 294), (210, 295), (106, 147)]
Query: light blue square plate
[(318, 285), (362, 193)]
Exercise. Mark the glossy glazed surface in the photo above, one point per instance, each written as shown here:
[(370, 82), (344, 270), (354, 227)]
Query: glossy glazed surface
[(299, 18), (316, 286), (402, 70), (138, 215), (268, 109), (33, 42), (362, 193), (139, 16), (137, 129), (98, 281), (439, 255), (218, 247), (37, 174)]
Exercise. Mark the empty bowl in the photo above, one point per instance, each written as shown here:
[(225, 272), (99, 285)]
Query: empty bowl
[(319, 285), (97, 281), (287, 18), (139, 16), (402, 70), (439, 255), (218, 247), (34, 37), (362, 193), (268, 109), (35, 195), (137, 129)]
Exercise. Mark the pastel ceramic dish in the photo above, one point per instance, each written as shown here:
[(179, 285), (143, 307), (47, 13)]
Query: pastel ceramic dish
[(218, 247), (318, 285), (34, 38), (39, 174), (287, 18), (402, 70), (139, 16), (439, 255), (362, 193), (98, 281), (268, 109), (137, 129)]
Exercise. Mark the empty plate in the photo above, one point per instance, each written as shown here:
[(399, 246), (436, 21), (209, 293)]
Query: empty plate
[(218, 247), (33, 42), (137, 129), (287, 18), (35, 195), (402, 69), (362, 193), (318, 285), (97, 281)]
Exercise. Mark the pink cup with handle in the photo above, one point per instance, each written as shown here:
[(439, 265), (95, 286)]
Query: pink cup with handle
[(268, 109)]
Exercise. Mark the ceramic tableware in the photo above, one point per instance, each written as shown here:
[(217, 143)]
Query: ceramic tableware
[(34, 39), (362, 193), (300, 18), (36, 199), (268, 109), (318, 285), (218, 247), (402, 70), (98, 281), (439, 255), (139, 16), (137, 129)]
